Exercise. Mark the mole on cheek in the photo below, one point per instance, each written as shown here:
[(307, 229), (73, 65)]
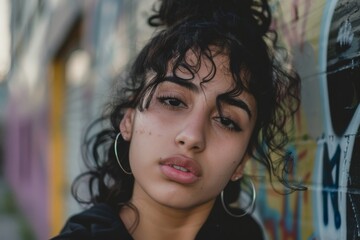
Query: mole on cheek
[(140, 131)]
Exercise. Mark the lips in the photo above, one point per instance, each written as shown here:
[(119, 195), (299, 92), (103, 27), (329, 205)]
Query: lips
[(180, 169)]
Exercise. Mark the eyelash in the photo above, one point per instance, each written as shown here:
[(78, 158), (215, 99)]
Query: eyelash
[(235, 127), (163, 100), (223, 121)]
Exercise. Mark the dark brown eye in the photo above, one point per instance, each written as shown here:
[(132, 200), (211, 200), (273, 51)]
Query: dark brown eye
[(228, 123), (171, 102)]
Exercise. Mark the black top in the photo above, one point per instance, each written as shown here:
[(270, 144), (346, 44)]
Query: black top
[(101, 222)]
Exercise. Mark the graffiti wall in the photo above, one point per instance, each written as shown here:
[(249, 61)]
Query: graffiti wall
[(324, 40)]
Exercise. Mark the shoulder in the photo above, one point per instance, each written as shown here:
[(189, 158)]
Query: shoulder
[(220, 225), (243, 228), (98, 222)]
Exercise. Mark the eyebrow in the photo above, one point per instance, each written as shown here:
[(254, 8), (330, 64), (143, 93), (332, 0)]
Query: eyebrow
[(194, 88), (237, 103), (182, 82)]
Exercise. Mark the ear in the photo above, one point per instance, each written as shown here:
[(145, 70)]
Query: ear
[(126, 124), (239, 171)]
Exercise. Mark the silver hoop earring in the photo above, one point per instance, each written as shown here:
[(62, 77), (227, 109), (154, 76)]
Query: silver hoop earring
[(249, 208), (117, 157)]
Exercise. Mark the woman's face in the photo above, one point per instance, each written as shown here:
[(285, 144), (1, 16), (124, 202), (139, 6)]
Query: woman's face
[(182, 152)]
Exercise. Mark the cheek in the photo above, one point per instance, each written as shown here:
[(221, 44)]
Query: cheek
[(232, 151), (139, 138), (226, 159), (147, 136), (143, 130), (223, 166), (150, 123)]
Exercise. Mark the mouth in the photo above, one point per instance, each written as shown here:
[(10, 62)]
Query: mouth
[(180, 169)]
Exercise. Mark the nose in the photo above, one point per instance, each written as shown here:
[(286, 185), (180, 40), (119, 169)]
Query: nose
[(192, 134)]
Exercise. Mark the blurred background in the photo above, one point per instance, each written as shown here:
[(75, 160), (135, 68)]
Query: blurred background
[(57, 62), (58, 59)]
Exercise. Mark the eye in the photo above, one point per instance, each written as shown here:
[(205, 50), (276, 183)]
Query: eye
[(227, 123), (172, 102)]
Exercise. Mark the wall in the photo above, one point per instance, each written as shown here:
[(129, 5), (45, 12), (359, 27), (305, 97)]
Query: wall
[(65, 54), (324, 40)]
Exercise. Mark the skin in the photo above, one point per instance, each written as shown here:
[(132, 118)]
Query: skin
[(184, 123)]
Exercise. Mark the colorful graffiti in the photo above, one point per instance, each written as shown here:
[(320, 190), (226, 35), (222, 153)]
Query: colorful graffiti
[(324, 40), (338, 213)]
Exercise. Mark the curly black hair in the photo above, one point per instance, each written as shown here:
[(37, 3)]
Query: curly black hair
[(239, 30)]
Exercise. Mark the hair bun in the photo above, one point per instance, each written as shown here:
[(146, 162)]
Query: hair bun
[(256, 13)]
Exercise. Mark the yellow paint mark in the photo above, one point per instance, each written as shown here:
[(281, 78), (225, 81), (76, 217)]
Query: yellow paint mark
[(57, 149)]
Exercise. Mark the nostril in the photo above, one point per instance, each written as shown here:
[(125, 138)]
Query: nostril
[(189, 142)]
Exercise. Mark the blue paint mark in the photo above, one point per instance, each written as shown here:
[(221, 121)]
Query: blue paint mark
[(267, 213), (330, 185)]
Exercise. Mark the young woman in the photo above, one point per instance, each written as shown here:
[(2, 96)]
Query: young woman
[(204, 96)]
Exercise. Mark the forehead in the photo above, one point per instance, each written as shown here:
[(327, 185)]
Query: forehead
[(211, 73), (206, 68)]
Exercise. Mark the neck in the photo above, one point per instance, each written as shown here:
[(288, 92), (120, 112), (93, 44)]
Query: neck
[(156, 221)]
